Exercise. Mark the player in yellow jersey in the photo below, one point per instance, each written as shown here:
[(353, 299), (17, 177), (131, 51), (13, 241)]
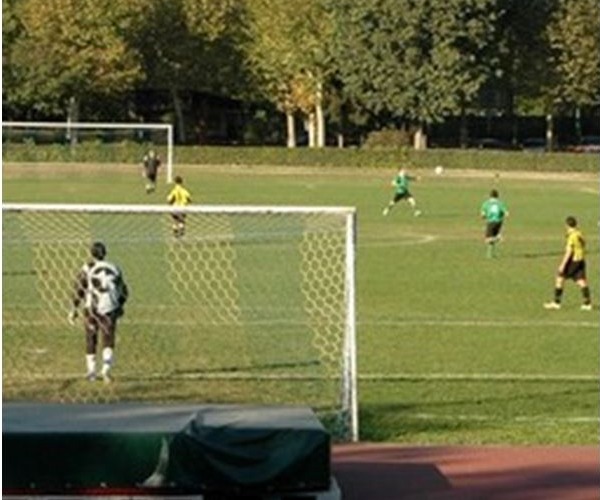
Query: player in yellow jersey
[(179, 197), (572, 266)]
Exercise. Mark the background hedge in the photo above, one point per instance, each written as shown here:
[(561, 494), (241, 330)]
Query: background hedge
[(132, 152)]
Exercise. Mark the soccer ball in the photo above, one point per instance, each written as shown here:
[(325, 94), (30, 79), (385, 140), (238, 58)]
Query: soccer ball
[(439, 170)]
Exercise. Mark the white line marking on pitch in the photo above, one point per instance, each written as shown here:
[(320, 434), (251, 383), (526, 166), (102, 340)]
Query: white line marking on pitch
[(412, 239), (474, 377), (401, 323), (487, 418)]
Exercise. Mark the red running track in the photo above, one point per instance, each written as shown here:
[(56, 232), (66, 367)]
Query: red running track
[(392, 472)]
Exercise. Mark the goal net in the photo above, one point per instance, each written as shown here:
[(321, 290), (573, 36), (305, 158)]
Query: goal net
[(250, 305), (85, 143)]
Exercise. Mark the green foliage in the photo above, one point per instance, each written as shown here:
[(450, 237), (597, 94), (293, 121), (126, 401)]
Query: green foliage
[(388, 138), (521, 54), (287, 46), (414, 60), (573, 36), (384, 62), (71, 48)]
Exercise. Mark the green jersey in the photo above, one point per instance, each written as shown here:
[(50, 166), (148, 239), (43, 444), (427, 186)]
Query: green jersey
[(401, 183), (494, 210)]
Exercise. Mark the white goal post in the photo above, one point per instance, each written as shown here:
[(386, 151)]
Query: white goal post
[(70, 128), (252, 305)]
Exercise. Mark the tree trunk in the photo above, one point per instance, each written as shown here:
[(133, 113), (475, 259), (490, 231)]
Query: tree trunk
[(420, 139), (178, 115), (464, 129), (312, 139), (72, 117), (549, 132), (319, 118), (577, 119), (291, 129)]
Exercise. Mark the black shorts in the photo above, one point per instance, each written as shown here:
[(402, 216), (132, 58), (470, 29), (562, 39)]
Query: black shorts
[(574, 270), (103, 325), (401, 196), (492, 229), (177, 217)]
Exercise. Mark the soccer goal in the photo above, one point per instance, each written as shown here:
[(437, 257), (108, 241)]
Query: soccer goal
[(86, 142), (251, 305)]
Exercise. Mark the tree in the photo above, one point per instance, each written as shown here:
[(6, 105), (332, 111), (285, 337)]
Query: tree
[(287, 43), (71, 50), (521, 50), (413, 60), (190, 45), (573, 35)]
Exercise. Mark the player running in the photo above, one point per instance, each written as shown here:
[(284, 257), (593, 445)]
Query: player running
[(401, 192), (494, 211)]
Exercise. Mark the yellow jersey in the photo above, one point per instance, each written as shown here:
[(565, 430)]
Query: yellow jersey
[(575, 244), (179, 196)]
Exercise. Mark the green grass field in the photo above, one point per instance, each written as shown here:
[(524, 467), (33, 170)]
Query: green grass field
[(452, 347)]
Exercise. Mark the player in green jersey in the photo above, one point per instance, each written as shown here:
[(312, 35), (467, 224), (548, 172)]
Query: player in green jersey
[(494, 211), (572, 266), (401, 192)]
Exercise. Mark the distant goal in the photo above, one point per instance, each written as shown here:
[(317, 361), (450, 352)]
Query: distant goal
[(86, 142), (252, 305)]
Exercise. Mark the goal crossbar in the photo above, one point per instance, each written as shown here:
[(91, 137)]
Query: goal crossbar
[(253, 209)]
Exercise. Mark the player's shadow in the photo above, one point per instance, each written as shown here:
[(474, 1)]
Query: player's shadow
[(249, 368), (538, 255)]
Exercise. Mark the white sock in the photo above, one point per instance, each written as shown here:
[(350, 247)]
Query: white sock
[(90, 362), (107, 360)]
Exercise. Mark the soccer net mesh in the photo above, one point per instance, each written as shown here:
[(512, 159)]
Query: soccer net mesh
[(251, 305), (75, 143)]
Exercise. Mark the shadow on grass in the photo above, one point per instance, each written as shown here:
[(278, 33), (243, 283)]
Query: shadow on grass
[(396, 421)]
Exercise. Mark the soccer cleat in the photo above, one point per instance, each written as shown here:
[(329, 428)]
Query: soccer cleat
[(90, 377), (106, 378), (586, 307), (386, 211), (417, 213), (552, 305)]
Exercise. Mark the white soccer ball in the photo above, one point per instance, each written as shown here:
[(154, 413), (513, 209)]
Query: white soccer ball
[(439, 170)]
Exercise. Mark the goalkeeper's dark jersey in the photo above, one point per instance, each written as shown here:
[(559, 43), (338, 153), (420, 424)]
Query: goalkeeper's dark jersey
[(151, 163)]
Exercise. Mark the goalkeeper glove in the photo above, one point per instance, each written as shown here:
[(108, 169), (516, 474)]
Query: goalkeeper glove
[(73, 313)]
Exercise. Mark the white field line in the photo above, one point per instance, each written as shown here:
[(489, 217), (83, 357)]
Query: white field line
[(244, 374), (543, 420), (476, 377), (402, 323), (396, 323), (406, 239), (411, 239)]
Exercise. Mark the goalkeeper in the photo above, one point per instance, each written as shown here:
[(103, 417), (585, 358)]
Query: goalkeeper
[(101, 289), (150, 164), (401, 192)]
